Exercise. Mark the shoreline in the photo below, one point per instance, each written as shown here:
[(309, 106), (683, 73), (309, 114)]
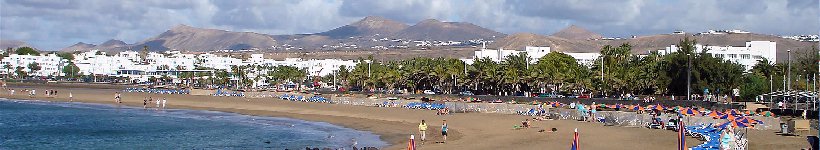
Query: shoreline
[(394, 139), (371, 139), (395, 125)]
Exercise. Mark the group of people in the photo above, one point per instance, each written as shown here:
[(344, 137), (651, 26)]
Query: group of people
[(51, 93), (160, 103), (587, 112), (423, 131), (33, 93)]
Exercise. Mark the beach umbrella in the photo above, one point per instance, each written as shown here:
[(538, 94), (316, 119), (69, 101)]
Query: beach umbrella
[(727, 117), (637, 108), (767, 114), (555, 104), (749, 120), (715, 114), (749, 113), (575, 140), (733, 123), (658, 107), (689, 111), (734, 112), (412, 144)]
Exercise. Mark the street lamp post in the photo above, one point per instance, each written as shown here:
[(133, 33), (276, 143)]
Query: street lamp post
[(789, 81), (688, 77)]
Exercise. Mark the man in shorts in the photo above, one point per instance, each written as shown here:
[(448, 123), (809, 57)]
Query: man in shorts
[(444, 131)]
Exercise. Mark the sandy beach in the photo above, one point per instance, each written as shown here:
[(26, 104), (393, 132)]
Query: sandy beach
[(469, 131)]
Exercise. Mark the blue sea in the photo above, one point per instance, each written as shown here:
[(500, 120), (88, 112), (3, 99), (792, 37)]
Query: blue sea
[(63, 125)]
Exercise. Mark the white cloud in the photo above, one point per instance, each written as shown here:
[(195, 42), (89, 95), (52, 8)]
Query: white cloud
[(56, 24)]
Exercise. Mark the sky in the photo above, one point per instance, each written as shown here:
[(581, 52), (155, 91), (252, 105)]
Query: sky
[(55, 24)]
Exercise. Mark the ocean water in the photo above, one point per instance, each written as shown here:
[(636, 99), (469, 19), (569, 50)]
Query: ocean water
[(62, 125)]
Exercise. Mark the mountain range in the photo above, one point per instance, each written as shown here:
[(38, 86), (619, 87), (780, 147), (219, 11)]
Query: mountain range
[(379, 31), (13, 44)]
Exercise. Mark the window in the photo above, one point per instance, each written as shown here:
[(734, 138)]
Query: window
[(733, 56), (718, 55), (745, 56)]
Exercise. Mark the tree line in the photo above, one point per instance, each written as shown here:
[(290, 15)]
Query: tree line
[(617, 71)]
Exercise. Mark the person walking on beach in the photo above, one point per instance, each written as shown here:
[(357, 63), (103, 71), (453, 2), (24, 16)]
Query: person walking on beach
[(422, 129), (70, 97), (444, 131), (144, 103), (158, 102), (32, 93), (163, 102), (12, 91)]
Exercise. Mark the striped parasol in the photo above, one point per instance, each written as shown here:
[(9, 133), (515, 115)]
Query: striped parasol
[(637, 108), (715, 114), (412, 144), (733, 123), (749, 120), (734, 112), (575, 140), (767, 114), (689, 111)]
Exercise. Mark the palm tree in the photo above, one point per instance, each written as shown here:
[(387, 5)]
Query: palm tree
[(8, 70)]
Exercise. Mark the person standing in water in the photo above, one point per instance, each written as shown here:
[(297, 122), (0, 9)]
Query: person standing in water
[(158, 102)]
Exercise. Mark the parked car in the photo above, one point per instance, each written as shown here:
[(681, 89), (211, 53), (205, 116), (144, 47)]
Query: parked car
[(429, 92), (584, 96), (466, 93), (549, 95)]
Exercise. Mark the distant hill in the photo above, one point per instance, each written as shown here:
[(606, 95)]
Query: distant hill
[(80, 46), (183, 37), (521, 40), (574, 32), (13, 44), (368, 26), (113, 43), (432, 29), (362, 34)]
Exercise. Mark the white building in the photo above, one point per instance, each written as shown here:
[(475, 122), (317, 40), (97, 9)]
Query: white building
[(90, 63), (217, 62), (746, 55), (534, 53), (586, 59), (50, 65)]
